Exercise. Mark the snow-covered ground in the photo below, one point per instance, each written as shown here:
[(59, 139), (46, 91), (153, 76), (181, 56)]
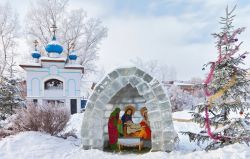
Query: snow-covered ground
[(35, 145)]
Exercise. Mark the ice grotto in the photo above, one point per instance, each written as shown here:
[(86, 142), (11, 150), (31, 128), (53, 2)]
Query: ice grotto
[(119, 88)]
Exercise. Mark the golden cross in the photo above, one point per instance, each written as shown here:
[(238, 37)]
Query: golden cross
[(35, 43), (54, 29)]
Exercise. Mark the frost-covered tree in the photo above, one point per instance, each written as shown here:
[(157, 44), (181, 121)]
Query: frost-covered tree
[(161, 71), (181, 99), (226, 91), (9, 96), (8, 37), (73, 27)]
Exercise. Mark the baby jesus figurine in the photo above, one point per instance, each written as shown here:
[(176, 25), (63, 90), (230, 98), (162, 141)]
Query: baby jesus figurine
[(132, 128)]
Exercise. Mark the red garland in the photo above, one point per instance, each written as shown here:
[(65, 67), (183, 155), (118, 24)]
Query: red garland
[(209, 78), (210, 134)]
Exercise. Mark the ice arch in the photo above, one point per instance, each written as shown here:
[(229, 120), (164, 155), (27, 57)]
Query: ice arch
[(159, 110)]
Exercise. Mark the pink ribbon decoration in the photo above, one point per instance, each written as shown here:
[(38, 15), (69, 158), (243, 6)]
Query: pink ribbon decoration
[(209, 79), (210, 75), (220, 56), (207, 93), (210, 134)]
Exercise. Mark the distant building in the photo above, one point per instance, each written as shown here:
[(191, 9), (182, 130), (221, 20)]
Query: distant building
[(185, 86), (54, 80)]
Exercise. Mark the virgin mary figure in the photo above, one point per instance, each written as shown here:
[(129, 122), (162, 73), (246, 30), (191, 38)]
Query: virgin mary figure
[(127, 116)]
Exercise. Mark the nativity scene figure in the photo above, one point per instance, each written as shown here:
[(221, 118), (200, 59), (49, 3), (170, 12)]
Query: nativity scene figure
[(126, 127)]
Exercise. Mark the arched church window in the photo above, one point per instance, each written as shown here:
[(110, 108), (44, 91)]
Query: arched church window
[(53, 84)]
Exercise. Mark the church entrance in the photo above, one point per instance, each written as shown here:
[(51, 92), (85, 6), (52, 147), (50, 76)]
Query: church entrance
[(73, 106)]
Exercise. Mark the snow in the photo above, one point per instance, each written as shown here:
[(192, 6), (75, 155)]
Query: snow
[(237, 114), (31, 64), (73, 65), (43, 146), (75, 123), (183, 84), (52, 58), (53, 42), (185, 114), (34, 145)]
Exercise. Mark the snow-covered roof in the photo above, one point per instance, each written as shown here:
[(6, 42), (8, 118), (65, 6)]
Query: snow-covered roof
[(50, 59), (74, 66), (31, 64)]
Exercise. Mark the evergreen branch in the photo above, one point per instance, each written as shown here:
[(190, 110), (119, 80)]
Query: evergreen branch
[(194, 137)]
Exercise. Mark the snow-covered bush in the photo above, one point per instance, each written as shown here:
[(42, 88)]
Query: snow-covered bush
[(4, 133), (45, 118)]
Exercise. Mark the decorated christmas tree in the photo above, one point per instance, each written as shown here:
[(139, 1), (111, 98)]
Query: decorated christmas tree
[(226, 89)]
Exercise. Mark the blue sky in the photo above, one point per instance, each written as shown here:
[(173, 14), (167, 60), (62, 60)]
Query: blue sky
[(174, 32)]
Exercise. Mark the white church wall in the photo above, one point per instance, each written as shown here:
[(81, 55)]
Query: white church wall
[(71, 87), (34, 82), (36, 77), (35, 87), (73, 84), (53, 69), (48, 64)]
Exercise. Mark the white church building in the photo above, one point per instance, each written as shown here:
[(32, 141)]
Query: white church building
[(54, 80)]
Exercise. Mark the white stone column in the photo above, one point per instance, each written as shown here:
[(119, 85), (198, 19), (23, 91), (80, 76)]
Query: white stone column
[(78, 105), (67, 104)]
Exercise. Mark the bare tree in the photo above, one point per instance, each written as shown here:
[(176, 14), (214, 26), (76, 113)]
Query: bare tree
[(151, 67), (41, 16), (8, 37), (167, 73), (74, 27), (94, 33), (161, 71)]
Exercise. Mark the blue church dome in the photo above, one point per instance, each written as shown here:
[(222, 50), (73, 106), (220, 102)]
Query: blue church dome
[(54, 46), (73, 55), (36, 54)]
